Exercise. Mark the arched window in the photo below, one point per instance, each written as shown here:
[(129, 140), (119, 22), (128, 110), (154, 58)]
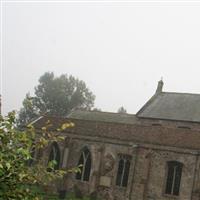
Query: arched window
[(85, 162), (55, 155), (123, 170), (174, 171)]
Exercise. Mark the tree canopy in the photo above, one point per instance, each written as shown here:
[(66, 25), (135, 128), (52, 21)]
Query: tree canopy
[(121, 110), (56, 96)]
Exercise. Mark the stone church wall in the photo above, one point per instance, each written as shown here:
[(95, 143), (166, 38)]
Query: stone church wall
[(147, 174)]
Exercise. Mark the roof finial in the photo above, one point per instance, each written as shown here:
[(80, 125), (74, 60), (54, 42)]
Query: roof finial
[(160, 86)]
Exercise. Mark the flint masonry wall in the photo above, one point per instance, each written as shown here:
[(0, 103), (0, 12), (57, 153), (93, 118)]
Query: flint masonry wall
[(104, 168), (147, 175), (151, 169)]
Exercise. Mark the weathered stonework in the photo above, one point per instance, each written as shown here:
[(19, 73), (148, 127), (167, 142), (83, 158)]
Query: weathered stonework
[(147, 143), (147, 175)]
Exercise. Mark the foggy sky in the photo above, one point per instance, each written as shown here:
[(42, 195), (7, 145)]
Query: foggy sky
[(121, 50)]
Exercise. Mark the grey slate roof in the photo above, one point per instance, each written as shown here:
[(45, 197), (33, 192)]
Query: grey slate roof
[(103, 116), (172, 106)]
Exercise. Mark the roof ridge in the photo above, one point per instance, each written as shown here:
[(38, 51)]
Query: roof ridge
[(101, 121), (198, 94), (107, 112)]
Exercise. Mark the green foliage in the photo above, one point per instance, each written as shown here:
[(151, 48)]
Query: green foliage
[(56, 96), (29, 110), (18, 180)]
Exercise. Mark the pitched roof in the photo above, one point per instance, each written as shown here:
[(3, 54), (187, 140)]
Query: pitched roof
[(172, 106), (173, 137), (103, 116)]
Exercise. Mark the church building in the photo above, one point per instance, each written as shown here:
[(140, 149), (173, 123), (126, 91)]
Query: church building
[(152, 155)]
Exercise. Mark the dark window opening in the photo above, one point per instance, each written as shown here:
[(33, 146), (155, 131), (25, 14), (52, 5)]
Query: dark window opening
[(184, 127), (156, 124), (123, 171), (85, 165), (55, 156), (173, 177)]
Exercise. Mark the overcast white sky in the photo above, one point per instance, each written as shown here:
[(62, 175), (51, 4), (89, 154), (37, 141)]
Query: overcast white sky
[(120, 50)]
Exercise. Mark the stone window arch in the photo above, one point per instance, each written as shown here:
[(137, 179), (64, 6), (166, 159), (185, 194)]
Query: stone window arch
[(85, 161), (173, 181), (123, 170), (55, 155)]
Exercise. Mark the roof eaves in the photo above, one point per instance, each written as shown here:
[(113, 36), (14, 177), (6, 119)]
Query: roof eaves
[(167, 119), (35, 120)]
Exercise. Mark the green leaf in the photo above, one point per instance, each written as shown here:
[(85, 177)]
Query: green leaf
[(8, 165)]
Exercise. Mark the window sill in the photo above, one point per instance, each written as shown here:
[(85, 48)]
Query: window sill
[(82, 182), (171, 196), (121, 188)]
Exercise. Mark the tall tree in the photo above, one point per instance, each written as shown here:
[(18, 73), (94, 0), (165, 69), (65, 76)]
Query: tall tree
[(122, 110), (56, 96), (29, 110)]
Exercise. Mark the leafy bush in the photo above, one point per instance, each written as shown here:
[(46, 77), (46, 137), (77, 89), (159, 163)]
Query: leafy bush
[(19, 180)]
